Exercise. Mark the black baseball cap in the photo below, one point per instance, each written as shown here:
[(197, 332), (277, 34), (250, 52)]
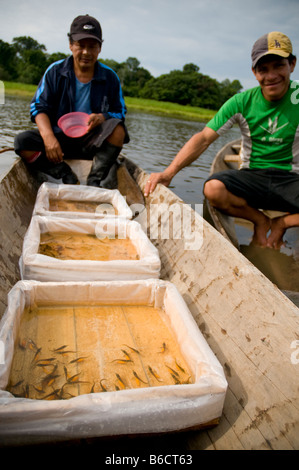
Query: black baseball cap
[(84, 27)]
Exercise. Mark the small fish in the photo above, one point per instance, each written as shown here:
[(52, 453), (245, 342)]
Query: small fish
[(163, 348), (49, 380), (121, 381), (65, 373), (38, 389), (104, 389), (172, 370), (127, 355), (138, 378), (26, 391), (176, 380), (45, 368), (17, 384), (132, 349), (64, 353), (122, 361), (32, 345), (188, 381), (79, 359), (46, 362), (180, 367), (154, 374), (73, 379), (37, 353), (64, 395), (53, 395), (60, 348)]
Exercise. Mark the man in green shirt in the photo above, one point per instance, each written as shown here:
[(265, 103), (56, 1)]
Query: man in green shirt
[(268, 117)]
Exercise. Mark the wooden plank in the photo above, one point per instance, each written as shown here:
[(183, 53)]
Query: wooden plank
[(242, 316), (17, 196), (232, 158)]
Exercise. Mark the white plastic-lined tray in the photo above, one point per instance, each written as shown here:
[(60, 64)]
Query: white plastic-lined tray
[(35, 266), (107, 202), (145, 410)]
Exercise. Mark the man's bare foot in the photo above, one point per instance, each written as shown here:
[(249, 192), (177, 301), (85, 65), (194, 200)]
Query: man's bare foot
[(260, 233), (278, 229)]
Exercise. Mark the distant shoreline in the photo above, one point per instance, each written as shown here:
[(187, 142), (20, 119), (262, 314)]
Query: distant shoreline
[(189, 113)]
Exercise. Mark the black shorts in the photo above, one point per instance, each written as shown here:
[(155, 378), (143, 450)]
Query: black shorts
[(79, 148), (270, 189)]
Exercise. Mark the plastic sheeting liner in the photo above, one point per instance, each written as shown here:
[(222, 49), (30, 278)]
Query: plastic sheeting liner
[(110, 202), (39, 267), (131, 411)]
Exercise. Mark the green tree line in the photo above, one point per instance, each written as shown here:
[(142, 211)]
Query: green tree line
[(25, 61)]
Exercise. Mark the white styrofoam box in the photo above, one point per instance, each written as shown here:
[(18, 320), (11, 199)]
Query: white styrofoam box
[(116, 203), (145, 410), (39, 267)]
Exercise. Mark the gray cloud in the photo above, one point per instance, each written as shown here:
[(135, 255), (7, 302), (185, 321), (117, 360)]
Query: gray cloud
[(163, 35)]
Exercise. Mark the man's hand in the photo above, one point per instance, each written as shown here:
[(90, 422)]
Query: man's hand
[(190, 152), (53, 150), (52, 146), (154, 179), (94, 121)]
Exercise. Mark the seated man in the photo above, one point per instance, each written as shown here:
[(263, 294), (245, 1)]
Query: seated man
[(268, 117), (78, 83)]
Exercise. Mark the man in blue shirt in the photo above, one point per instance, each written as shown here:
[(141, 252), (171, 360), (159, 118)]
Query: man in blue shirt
[(78, 83)]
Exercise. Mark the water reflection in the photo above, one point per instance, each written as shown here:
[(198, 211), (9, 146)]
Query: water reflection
[(14, 116), (155, 140)]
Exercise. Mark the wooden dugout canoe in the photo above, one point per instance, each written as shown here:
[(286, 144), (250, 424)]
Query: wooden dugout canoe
[(252, 328)]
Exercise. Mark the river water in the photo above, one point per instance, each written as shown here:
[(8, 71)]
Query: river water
[(155, 140)]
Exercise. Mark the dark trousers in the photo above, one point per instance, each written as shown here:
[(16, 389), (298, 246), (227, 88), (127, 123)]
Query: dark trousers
[(91, 146)]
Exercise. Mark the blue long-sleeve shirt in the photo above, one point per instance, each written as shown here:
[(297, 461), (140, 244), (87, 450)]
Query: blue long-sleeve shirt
[(55, 95)]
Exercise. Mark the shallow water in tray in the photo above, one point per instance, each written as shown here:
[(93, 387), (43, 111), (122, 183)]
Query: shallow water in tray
[(77, 246), (65, 351), (65, 205)]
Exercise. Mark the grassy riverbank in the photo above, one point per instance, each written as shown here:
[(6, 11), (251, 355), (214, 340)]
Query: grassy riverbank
[(19, 89), (165, 108), (162, 108)]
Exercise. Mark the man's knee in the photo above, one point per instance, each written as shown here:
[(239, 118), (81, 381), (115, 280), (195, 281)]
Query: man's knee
[(117, 137), (18, 143), (28, 141), (214, 191)]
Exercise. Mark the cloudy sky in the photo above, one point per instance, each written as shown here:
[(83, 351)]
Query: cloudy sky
[(216, 35)]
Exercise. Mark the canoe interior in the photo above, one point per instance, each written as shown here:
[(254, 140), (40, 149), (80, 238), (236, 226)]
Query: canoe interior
[(248, 323)]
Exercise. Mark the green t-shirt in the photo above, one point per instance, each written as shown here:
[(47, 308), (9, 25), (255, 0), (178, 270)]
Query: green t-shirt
[(270, 130)]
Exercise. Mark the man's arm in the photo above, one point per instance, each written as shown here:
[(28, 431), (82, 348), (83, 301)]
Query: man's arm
[(188, 154)]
